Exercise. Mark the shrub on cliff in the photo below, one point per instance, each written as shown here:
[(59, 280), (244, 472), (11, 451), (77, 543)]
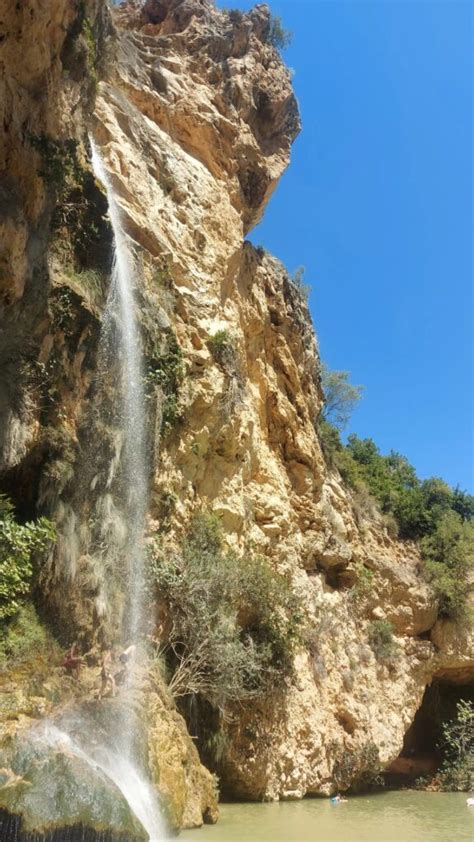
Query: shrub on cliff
[(278, 36), (359, 769), (165, 370), (24, 639), (297, 279), (449, 555), (18, 542), (340, 397), (457, 770), (222, 347), (416, 505), (381, 639), (234, 621)]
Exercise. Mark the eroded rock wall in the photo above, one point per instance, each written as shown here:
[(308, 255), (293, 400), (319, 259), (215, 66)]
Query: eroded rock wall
[(195, 122), (194, 115)]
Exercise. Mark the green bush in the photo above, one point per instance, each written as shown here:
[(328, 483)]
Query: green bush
[(297, 279), (235, 623), (448, 554), (222, 347), (359, 769), (463, 504), (457, 770), (340, 397), (91, 282), (166, 370), (381, 639), (278, 36), (59, 165), (363, 586), (23, 638), (417, 506), (18, 543)]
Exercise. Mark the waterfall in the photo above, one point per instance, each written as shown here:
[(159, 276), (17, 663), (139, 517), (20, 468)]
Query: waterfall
[(120, 341), (120, 335)]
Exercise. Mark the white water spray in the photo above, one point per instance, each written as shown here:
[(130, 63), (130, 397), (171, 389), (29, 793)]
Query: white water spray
[(137, 792), (121, 335)]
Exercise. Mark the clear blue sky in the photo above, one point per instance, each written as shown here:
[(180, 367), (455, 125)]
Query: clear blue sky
[(377, 205)]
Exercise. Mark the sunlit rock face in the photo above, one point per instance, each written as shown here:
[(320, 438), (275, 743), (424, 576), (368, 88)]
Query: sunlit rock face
[(194, 115)]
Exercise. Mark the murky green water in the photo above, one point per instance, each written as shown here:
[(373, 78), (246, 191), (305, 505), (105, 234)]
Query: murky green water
[(388, 817)]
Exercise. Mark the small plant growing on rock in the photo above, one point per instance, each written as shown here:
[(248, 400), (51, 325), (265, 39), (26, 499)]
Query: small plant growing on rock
[(59, 164), (222, 347), (359, 769), (340, 397), (297, 279), (18, 543), (381, 639), (457, 771), (363, 585), (278, 36), (167, 504), (24, 638), (165, 371)]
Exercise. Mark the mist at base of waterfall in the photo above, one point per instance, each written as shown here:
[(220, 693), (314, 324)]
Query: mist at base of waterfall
[(121, 771)]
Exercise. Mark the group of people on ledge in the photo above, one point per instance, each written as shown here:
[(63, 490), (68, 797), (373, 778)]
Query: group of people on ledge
[(112, 674)]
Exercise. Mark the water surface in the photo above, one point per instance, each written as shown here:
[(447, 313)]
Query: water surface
[(386, 817)]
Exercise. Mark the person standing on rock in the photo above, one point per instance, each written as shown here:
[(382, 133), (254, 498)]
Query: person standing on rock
[(107, 687)]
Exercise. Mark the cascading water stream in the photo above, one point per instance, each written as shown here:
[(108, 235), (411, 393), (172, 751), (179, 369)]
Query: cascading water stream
[(121, 335), (120, 341)]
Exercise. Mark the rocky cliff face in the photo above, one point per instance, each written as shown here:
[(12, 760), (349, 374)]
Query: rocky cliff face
[(194, 113)]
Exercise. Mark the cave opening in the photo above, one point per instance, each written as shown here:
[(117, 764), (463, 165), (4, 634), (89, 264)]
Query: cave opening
[(20, 484), (422, 753)]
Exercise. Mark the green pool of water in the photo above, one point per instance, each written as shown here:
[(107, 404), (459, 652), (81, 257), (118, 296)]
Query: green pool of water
[(387, 817)]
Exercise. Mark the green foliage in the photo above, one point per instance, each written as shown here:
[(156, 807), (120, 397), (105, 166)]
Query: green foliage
[(463, 504), (91, 282), (62, 308), (278, 36), (166, 505), (216, 744), (457, 770), (297, 279), (222, 347), (224, 351), (428, 510), (22, 638), (359, 769), (91, 47), (448, 554), (59, 163), (235, 622), (166, 371), (363, 585), (340, 397), (381, 639), (417, 506), (329, 440), (18, 542)]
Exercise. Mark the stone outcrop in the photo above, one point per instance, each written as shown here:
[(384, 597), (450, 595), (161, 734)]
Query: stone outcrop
[(195, 115)]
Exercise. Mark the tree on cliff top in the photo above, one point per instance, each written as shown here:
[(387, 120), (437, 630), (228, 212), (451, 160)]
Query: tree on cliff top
[(340, 397), (278, 36)]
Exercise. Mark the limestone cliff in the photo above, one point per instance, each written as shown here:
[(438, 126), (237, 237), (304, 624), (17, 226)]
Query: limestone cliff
[(194, 113)]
